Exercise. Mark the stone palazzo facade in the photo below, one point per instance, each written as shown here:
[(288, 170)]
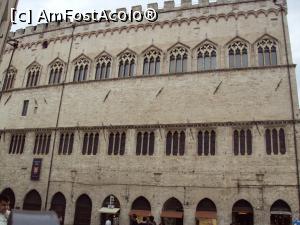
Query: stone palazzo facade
[(192, 119)]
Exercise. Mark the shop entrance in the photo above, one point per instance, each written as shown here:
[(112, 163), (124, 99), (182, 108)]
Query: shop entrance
[(110, 210), (281, 213), (172, 212), (242, 213)]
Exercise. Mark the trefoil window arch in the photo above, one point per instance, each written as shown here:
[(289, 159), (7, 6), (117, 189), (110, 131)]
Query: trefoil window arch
[(152, 61), (56, 70), (178, 60), (9, 79), (33, 75), (238, 54), (103, 67), (267, 52), (127, 64), (81, 69), (207, 57)]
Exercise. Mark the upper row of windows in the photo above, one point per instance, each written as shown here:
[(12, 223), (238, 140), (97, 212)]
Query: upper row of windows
[(206, 54)]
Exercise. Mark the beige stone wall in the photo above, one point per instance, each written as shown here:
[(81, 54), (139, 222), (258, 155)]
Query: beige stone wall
[(5, 23), (255, 98)]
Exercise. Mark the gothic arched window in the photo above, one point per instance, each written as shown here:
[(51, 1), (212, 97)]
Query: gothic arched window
[(275, 141), (81, 69), (145, 143), (206, 143), (116, 143), (66, 143), (206, 57), (9, 79), (238, 54), (56, 69), (127, 63), (33, 75), (242, 142), (152, 61), (103, 67), (90, 144), (267, 52), (175, 143), (178, 60)]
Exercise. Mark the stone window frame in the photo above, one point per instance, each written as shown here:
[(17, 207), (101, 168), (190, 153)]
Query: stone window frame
[(66, 148), (84, 61), (42, 143), (147, 152), (245, 129), (175, 51), (277, 128), (17, 146), (105, 58), (215, 47), (272, 39), (209, 130), (56, 64), (127, 55), (9, 78), (36, 69), (172, 131), (114, 151), (238, 43), (152, 52), (88, 146)]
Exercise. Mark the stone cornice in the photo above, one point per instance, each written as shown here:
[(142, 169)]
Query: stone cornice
[(142, 26), (267, 123)]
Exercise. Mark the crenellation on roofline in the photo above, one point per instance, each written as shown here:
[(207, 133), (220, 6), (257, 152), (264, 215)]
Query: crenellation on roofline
[(168, 7)]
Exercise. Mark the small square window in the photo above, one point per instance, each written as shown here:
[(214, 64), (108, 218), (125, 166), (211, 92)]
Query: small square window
[(25, 107)]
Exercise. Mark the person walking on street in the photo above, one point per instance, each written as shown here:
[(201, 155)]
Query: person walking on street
[(4, 209)]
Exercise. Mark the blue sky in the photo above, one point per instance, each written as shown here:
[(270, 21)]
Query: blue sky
[(90, 5)]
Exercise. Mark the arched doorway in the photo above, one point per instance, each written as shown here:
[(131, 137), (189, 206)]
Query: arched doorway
[(58, 205), (110, 210), (242, 213), (206, 212), (172, 212), (11, 195), (32, 201), (141, 208), (281, 213), (83, 210)]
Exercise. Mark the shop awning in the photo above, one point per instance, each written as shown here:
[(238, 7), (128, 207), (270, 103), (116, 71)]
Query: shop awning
[(109, 210), (206, 215), (140, 212), (172, 214), (281, 213), (242, 210)]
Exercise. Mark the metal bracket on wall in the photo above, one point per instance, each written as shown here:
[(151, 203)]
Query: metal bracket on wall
[(7, 100), (278, 85), (106, 95), (217, 88), (158, 93)]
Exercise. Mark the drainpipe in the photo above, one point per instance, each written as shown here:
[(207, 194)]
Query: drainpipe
[(57, 120), (282, 10)]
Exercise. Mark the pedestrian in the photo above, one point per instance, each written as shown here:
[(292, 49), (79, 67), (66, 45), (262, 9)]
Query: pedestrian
[(133, 220), (144, 221), (152, 222), (108, 221), (4, 209)]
